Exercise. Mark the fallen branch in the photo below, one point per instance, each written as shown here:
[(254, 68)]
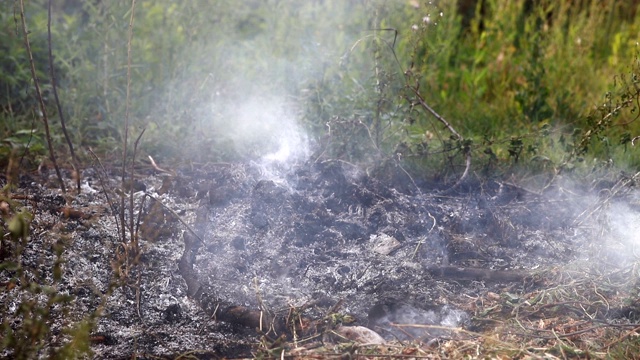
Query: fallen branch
[(217, 308), (478, 274)]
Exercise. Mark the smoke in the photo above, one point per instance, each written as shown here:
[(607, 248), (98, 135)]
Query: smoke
[(406, 322), (622, 244), (267, 132), (267, 72), (264, 128), (263, 57)]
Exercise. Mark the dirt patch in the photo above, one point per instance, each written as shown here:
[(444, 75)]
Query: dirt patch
[(305, 250)]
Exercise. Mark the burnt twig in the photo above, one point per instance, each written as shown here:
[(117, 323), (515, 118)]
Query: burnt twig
[(126, 125), (472, 273)]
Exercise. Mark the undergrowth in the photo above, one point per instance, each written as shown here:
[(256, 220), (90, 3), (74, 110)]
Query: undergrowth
[(507, 80)]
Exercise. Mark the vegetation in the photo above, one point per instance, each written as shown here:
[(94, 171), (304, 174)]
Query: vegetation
[(527, 89), (522, 81)]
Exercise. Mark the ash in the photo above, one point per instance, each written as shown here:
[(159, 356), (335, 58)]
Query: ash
[(318, 233)]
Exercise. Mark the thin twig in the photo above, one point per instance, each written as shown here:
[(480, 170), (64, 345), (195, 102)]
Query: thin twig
[(467, 152), (438, 117), (139, 296), (139, 216), (132, 232), (629, 333), (555, 335), (157, 168), (415, 252), (126, 124), (52, 74)]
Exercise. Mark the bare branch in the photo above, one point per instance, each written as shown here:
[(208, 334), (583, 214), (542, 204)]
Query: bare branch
[(43, 109)]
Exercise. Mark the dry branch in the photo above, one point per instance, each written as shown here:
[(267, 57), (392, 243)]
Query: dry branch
[(264, 321), (43, 109), (126, 129), (217, 308), (467, 152)]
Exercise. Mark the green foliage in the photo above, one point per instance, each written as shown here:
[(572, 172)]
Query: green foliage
[(17, 103), (515, 80), (519, 80)]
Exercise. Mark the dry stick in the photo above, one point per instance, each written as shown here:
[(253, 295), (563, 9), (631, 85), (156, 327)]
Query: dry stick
[(189, 228), (157, 168), (36, 82), (556, 336), (631, 332), (105, 60), (131, 212), (139, 296), (76, 168), (415, 252), (126, 124), (140, 215)]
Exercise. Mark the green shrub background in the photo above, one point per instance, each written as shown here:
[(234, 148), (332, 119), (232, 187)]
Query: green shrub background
[(519, 81)]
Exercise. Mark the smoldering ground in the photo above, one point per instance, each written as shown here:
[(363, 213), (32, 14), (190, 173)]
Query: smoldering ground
[(319, 238)]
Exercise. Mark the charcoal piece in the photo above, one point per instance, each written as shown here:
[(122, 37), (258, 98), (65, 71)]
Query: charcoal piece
[(173, 313)]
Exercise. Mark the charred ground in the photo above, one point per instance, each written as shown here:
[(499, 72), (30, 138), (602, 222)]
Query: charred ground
[(303, 250)]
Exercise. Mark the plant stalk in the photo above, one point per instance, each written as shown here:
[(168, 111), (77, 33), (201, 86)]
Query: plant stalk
[(55, 94), (43, 109)]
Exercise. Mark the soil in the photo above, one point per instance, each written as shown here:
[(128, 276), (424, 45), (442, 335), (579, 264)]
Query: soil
[(266, 251)]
